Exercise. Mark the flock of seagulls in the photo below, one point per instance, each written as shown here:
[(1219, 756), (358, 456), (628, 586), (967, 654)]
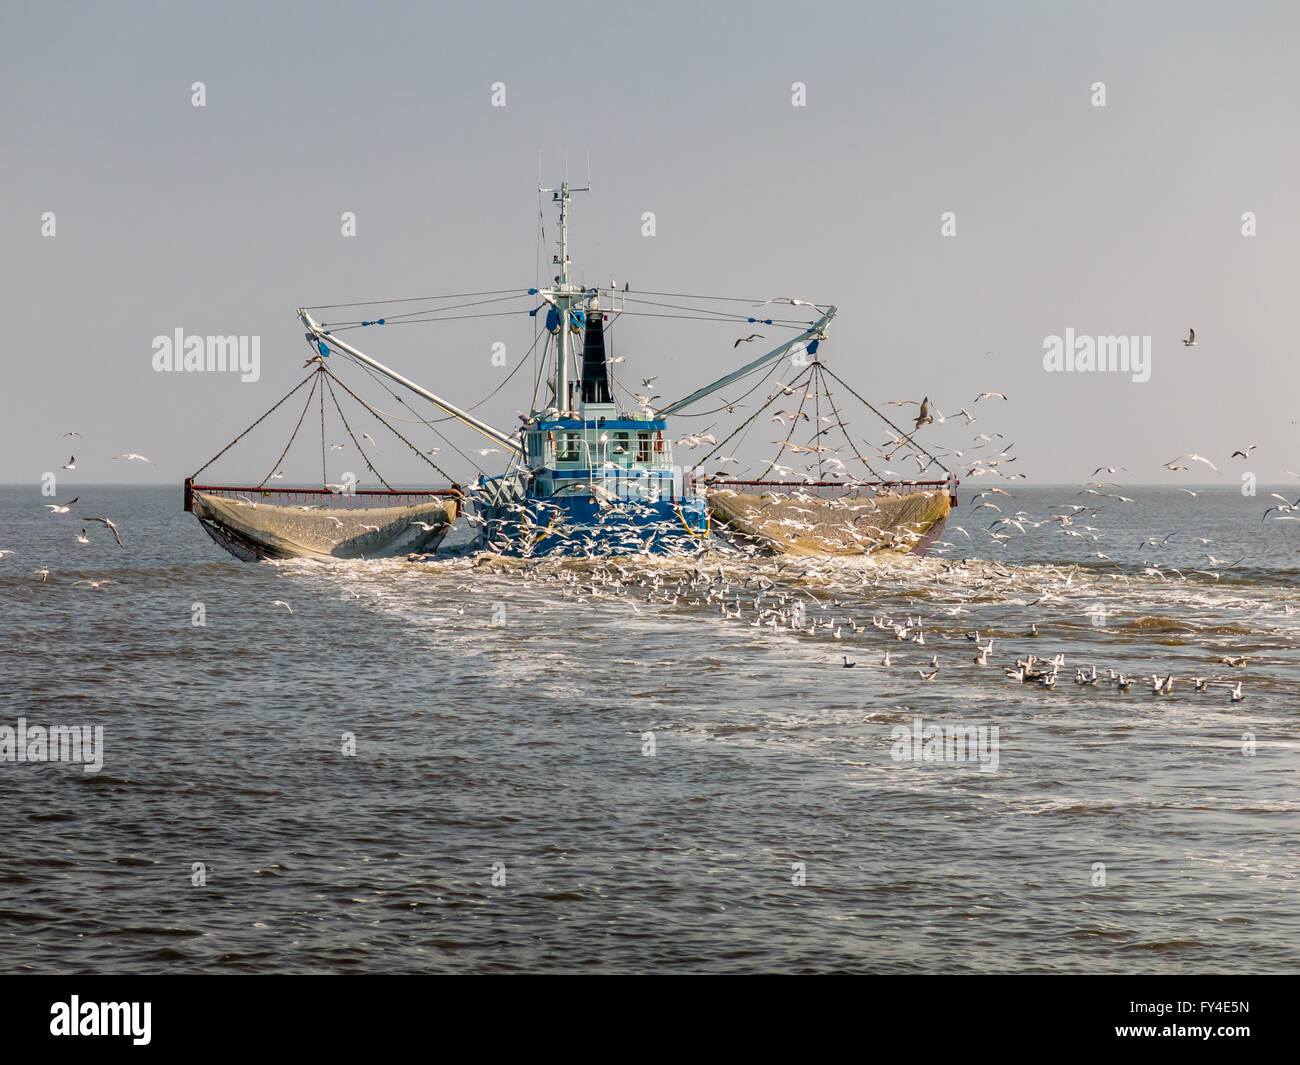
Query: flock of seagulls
[(812, 599), (58, 509)]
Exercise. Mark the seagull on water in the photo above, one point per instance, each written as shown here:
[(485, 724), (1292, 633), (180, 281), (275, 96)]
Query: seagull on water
[(281, 602)]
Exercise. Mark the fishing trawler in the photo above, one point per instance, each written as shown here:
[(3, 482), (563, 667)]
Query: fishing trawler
[(586, 473)]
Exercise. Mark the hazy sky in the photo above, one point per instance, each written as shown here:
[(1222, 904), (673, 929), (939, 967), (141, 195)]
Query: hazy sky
[(1123, 219)]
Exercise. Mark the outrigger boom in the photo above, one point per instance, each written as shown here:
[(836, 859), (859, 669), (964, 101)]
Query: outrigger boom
[(816, 332), (318, 335)]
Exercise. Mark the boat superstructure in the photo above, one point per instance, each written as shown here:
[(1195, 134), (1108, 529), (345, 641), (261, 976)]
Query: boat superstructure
[(587, 475)]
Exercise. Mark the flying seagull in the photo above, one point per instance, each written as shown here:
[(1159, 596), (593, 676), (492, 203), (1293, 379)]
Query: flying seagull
[(990, 395), (56, 509), (104, 521), (924, 417), (746, 340), (1190, 342), (1244, 453), (71, 464), (132, 457)]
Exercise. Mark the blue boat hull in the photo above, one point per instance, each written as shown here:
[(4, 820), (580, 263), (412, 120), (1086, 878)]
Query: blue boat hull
[(579, 526)]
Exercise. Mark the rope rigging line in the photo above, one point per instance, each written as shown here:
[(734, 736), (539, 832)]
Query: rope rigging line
[(429, 424), (324, 477), (348, 429), (713, 318), (314, 377), (410, 299), (722, 299), (390, 428), (417, 321), (722, 316), (794, 423), (844, 429), (540, 376), (748, 422), (817, 413), (310, 377), (399, 319), (904, 435), (506, 380)]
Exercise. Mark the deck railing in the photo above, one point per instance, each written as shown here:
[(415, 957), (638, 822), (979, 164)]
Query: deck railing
[(832, 489), (355, 497)]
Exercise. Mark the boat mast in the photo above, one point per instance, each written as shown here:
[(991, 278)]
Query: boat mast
[(563, 295)]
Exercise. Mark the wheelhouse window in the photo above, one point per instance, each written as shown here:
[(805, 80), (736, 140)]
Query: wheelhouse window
[(643, 447), (568, 450)]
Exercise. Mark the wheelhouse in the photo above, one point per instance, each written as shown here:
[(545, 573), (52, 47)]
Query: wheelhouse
[(627, 458)]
